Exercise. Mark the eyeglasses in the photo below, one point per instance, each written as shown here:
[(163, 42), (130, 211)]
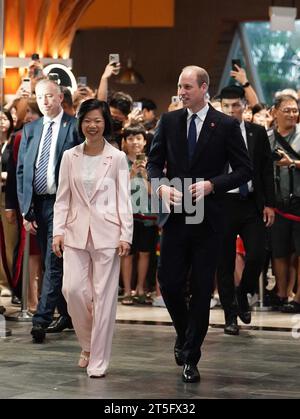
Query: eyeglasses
[(287, 111)]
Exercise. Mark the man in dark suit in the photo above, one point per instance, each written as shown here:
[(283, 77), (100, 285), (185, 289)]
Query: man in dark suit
[(195, 144), (41, 150), (248, 210)]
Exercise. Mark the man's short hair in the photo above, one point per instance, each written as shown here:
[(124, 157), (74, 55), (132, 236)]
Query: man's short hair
[(45, 82), (232, 92), (201, 73), (148, 104)]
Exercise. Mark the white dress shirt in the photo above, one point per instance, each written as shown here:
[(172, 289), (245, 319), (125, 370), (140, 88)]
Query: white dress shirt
[(244, 134), (199, 121), (51, 185)]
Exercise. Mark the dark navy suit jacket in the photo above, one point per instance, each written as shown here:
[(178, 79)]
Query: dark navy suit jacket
[(31, 137), (220, 142)]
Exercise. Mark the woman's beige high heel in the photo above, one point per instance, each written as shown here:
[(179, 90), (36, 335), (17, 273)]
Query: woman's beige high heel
[(84, 359)]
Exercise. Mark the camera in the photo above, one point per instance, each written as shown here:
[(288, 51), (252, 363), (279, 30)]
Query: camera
[(35, 57), (276, 155)]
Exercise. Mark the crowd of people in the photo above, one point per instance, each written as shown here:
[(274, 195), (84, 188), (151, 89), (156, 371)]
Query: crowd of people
[(77, 172)]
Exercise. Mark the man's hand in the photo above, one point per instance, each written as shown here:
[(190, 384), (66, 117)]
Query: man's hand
[(124, 249), (285, 161), (239, 74), (269, 216), (31, 227), (201, 189), (170, 196), (58, 246), (11, 216)]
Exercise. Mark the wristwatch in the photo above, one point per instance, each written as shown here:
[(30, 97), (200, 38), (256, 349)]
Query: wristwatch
[(247, 84), (293, 165)]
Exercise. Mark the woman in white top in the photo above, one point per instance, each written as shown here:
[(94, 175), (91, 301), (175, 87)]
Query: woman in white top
[(92, 229)]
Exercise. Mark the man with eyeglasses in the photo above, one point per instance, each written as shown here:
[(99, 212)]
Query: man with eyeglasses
[(285, 233)]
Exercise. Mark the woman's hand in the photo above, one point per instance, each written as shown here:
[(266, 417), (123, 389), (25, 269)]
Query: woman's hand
[(124, 249), (58, 246)]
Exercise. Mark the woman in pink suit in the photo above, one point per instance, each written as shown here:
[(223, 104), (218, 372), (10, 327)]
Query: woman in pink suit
[(93, 227)]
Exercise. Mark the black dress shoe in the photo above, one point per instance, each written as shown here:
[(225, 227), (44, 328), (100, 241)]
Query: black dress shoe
[(231, 328), (244, 311), (38, 333), (292, 307), (178, 353), (190, 374), (15, 301), (59, 325), (178, 356)]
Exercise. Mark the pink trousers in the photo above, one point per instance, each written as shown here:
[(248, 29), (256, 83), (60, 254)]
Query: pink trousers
[(90, 286)]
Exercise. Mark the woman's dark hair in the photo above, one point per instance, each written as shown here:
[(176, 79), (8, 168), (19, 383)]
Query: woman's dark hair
[(258, 107), (11, 123), (91, 105)]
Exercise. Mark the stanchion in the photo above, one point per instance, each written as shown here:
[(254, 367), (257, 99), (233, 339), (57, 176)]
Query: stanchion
[(24, 315), (261, 307)]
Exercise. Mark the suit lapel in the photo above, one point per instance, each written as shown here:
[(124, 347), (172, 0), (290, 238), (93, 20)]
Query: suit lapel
[(37, 135), (62, 135), (102, 169), (208, 128), (250, 140)]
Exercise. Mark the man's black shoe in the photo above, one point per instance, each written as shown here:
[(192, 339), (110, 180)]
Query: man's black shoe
[(38, 333), (190, 374), (178, 353), (59, 325), (178, 356), (232, 328), (15, 301), (244, 311), (293, 307)]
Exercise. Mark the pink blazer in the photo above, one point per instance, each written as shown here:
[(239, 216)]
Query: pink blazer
[(107, 214)]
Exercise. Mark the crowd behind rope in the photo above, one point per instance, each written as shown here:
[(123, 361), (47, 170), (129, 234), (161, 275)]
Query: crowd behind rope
[(132, 132)]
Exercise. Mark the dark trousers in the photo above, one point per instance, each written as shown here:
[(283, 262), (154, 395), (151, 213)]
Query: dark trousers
[(188, 251), (51, 296), (243, 219)]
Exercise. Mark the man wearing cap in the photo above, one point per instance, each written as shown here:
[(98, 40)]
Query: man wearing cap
[(248, 210)]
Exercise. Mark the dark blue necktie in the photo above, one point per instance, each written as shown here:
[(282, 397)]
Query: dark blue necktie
[(192, 137), (244, 190), (40, 180)]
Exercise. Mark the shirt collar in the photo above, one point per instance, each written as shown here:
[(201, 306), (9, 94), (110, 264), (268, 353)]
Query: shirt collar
[(243, 126), (55, 120), (201, 114)]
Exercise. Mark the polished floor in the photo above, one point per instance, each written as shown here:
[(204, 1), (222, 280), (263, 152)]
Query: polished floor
[(263, 362)]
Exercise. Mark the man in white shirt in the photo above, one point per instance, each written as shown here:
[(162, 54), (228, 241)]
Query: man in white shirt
[(248, 210), (43, 144)]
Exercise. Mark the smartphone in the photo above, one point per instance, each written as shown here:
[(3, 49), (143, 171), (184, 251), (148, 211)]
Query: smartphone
[(175, 99), (140, 157), (236, 62), (114, 58), (35, 57), (26, 85), (137, 105), (82, 81)]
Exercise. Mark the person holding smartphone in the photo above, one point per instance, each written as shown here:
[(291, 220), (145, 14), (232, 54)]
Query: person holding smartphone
[(239, 74), (145, 228)]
